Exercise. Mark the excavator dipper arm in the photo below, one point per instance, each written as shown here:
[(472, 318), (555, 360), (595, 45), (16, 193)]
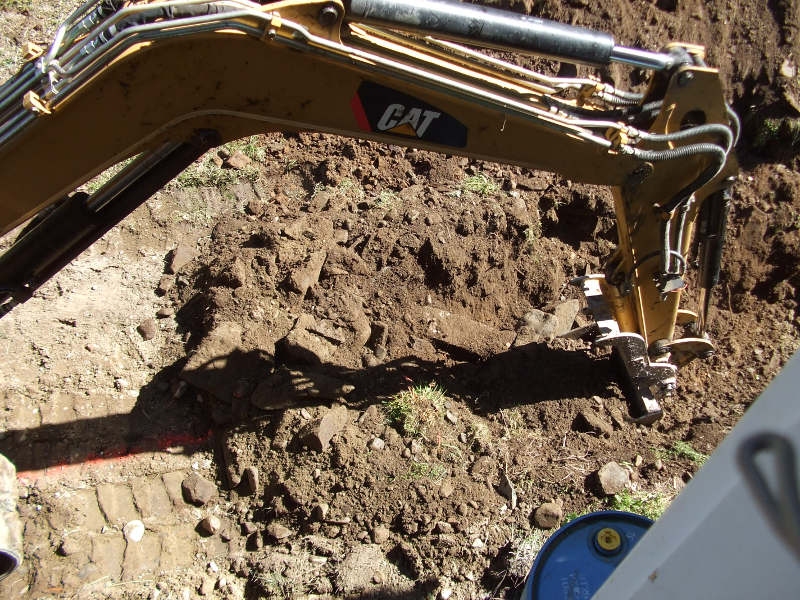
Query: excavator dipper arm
[(165, 81)]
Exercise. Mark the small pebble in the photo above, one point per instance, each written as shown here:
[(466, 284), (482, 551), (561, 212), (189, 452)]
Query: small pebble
[(133, 531), (377, 444), (210, 525), (213, 567)]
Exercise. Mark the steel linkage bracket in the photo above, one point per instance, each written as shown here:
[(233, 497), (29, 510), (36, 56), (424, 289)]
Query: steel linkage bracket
[(651, 381)]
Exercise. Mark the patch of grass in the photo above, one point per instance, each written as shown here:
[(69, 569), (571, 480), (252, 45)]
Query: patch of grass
[(480, 184), (777, 130), (524, 551), (275, 585), (649, 504), (252, 147), (423, 470), (205, 173), (512, 421), (685, 450), (415, 410), (571, 516), (681, 449), (18, 5), (386, 200)]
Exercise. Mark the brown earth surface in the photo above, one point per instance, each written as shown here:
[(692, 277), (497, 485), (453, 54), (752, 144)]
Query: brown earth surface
[(329, 275)]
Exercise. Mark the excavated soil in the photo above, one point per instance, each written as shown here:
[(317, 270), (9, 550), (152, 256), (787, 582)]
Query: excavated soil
[(296, 303)]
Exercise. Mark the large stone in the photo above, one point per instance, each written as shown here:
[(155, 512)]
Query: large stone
[(151, 498), (318, 433), (358, 567), (198, 490), (548, 515), (307, 274), (179, 257), (612, 479), (591, 422), (380, 534), (343, 261), (465, 335), (565, 314)]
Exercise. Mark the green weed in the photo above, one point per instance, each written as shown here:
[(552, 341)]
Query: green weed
[(17, 5), (651, 505), (416, 409), (480, 184), (685, 450), (275, 585), (423, 470), (524, 550), (386, 200)]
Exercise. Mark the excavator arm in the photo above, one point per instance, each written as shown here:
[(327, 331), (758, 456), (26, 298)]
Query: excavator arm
[(166, 81)]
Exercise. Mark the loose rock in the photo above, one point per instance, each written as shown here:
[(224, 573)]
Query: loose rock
[(446, 489), (548, 515), (133, 531), (238, 160), (591, 422), (180, 256), (197, 490), (320, 511), (612, 479), (443, 527), (380, 534), (278, 532), (318, 433), (147, 329), (377, 444), (250, 480), (210, 525), (165, 284), (165, 312)]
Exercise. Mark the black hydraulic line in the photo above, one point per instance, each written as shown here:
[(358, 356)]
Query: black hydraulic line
[(616, 113), (73, 226), (717, 153), (487, 27), (711, 128), (711, 232)]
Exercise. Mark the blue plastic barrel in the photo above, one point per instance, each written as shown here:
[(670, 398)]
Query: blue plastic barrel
[(578, 558)]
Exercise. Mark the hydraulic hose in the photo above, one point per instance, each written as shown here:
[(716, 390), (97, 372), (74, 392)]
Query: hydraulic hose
[(717, 154), (709, 129)]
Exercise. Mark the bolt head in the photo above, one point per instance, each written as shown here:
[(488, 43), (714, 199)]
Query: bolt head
[(328, 15)]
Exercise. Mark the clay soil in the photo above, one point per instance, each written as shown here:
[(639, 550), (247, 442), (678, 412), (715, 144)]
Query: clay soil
[(325, 278)]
